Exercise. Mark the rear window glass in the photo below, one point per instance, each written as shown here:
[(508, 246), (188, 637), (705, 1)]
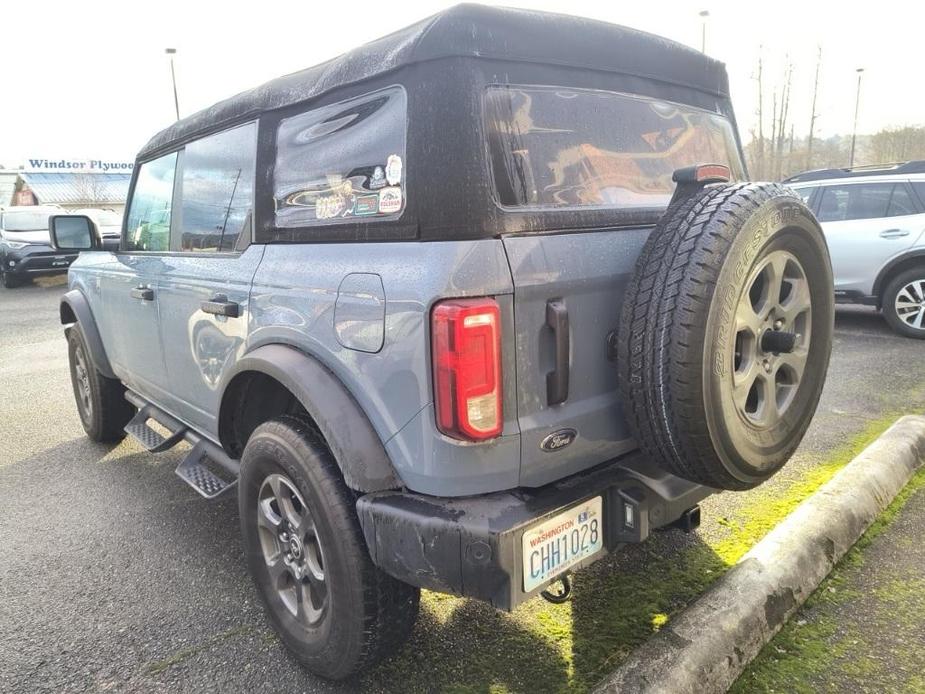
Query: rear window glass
[(342, 162), (556, 147)]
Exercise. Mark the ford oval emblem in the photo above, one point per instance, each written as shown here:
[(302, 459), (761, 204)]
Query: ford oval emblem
[(558, 439)]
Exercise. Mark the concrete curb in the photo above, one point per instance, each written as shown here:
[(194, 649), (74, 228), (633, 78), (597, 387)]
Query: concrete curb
[(706, 647)]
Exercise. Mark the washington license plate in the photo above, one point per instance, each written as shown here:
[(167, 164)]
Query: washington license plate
[(557, 544)]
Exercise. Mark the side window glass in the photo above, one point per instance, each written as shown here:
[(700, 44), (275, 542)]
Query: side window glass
[(855, 201), (217, 185), (343, 162), (834, 204), (148, 225), (804, 193), (901, 202)]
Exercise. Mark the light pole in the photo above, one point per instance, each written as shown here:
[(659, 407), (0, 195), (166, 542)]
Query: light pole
[(703, 30), (857, 103), (173, 77)]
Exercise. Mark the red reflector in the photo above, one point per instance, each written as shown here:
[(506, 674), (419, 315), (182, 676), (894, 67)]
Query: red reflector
[(466, 340), (708, 173)]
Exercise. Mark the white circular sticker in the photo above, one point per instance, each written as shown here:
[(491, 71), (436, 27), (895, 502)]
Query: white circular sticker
[(393, 170)]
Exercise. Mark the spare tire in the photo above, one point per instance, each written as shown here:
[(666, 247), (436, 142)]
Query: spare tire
[(725, 334)]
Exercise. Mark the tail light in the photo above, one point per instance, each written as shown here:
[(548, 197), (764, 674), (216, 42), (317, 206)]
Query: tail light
[(466, 335)]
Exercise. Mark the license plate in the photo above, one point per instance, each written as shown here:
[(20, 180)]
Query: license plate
[(559, 543)]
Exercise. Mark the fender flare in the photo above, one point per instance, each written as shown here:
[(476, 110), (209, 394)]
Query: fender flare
[(914, 254), (75, 305), (356, 446)]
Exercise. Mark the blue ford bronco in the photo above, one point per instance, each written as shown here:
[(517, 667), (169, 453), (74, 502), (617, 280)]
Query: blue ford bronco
[(464, 309)]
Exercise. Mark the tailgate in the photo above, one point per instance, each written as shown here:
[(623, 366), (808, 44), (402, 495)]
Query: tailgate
[(578, 279)]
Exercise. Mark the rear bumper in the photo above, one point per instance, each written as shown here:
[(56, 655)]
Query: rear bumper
[(472, 546)]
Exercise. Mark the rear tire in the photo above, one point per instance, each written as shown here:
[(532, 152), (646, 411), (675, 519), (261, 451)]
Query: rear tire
[(101, 402), (333, 609), (706, 396), (904, 303)]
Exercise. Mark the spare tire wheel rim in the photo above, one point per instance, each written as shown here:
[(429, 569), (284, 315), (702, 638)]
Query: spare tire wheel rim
[(910, 304), (771, 340), (292, 550)]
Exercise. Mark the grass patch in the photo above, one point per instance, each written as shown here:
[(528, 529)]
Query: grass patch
[(619, 602), (810, 644)]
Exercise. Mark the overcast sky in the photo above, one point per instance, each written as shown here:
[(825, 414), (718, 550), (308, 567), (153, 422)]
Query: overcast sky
[(89, 79)]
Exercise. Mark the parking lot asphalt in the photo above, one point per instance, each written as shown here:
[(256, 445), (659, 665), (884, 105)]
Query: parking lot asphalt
[(115, 576)]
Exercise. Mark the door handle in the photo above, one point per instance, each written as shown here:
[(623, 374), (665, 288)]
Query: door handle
[(894, 233), (143, 293), (219, 305), (557, 380)]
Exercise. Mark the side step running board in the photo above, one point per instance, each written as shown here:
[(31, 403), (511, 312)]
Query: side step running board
[(153, 441), (202, 469), (207, 468)]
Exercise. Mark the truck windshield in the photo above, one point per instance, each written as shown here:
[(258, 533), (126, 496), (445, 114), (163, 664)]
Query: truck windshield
[(553, 147), (25, 221)]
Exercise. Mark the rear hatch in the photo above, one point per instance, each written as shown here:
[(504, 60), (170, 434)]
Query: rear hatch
[(582, 151)]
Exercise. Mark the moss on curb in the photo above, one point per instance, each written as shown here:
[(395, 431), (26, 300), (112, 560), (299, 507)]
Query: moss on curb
[(465, 646), (811, 643)]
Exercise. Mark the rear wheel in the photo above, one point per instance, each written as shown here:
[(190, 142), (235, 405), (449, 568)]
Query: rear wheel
[(904, 303), (725, 334), (329, 603), (101, 402)]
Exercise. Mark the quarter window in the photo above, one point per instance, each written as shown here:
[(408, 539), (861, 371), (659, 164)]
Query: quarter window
[(148, 225), (342, 162), (217, 191)]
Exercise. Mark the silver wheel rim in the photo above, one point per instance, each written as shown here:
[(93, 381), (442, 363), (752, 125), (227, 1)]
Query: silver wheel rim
[(771, 341), (910, 304), (82, 380), (292, 549)]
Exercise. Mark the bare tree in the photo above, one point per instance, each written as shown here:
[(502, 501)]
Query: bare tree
[(813, 114), (91, 189), (760, 164)]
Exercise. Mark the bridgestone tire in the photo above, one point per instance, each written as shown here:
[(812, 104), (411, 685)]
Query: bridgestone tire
[(366, 614), (101, 402), (680, 344)]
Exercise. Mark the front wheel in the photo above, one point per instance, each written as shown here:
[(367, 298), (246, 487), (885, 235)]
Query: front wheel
[(305, 550), (904, 303), (101, 402), (9, 281)]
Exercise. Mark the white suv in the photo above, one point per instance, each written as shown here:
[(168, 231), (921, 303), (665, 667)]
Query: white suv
[(874, 222)]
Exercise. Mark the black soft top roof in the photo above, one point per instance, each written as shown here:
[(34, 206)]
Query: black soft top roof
[(475, 31)]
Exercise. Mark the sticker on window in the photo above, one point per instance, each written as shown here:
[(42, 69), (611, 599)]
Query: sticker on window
[(342, 161), (390, 200)]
